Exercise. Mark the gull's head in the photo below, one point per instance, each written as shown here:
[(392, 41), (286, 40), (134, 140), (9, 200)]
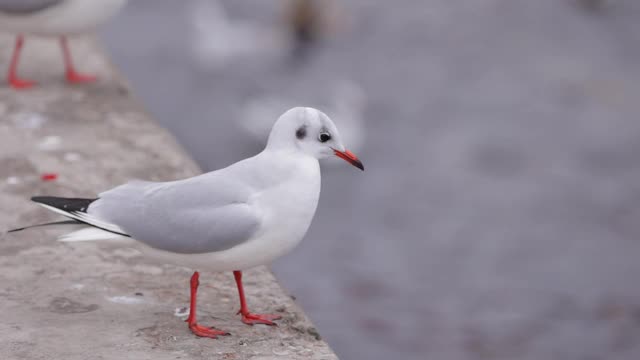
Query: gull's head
[(310, 131)]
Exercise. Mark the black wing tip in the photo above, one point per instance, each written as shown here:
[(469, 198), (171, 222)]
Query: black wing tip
[(63, 203), (47, 200)]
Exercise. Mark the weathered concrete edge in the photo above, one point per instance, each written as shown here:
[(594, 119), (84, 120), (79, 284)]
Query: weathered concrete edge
[(105, 138)]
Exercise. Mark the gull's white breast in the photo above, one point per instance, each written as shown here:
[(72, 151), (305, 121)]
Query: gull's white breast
[(69, 17)]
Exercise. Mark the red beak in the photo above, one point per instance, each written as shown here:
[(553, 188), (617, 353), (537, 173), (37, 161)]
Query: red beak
[(349, 157)]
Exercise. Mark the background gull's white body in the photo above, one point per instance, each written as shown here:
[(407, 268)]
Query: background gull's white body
[(67, 17)]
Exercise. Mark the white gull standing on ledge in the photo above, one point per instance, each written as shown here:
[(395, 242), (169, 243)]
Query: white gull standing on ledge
[(232, 219), (58, 18)]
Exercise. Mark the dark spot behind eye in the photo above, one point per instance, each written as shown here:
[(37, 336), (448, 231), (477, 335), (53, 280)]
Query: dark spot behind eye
[(301, 133)]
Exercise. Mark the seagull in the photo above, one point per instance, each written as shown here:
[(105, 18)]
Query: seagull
[(232, 219), (58, 18)]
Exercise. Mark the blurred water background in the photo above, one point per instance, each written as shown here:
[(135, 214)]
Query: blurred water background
[(499, 213)]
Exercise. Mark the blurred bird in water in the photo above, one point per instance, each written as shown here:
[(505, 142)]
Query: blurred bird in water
[(595, 6), (58, 18), (305, 21), (309, 21)]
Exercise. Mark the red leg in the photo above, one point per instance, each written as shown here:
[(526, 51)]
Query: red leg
[(73, 76), (199, 330), (12, 76), (247, 317)]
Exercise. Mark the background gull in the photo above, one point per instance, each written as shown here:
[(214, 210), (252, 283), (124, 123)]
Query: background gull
[(58, 18)]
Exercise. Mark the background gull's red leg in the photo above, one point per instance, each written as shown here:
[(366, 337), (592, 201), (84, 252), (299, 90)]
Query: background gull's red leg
[(72, 75), (12, 75)]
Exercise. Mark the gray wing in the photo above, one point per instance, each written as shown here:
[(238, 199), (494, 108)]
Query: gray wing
[(25, 7), (198, 215)]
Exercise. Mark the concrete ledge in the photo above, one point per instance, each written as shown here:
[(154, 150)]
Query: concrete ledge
[(59, 301)]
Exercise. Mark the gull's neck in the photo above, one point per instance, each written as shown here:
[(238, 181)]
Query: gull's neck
[(279, 142)]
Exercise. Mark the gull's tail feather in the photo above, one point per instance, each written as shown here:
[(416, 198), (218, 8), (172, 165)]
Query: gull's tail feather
[(87, 233), (60, 205), (76, 209), (90, 234), (63, 222)]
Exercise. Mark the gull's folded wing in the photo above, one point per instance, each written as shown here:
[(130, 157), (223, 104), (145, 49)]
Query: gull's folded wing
[(198, 215)]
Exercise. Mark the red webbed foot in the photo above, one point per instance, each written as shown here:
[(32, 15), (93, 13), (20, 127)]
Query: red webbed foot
[(77, 78), (266, 319), (21, 84), (204, 331)]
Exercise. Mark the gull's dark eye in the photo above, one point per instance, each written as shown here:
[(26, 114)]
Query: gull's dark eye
[(324, 137)]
